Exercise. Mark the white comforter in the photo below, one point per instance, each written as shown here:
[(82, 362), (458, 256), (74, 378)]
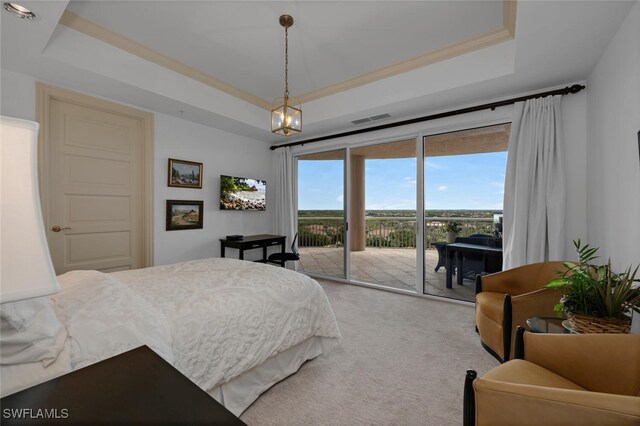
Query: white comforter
[(212, 319)]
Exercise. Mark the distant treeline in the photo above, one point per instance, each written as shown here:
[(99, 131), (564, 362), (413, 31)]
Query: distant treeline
[(404, 213)]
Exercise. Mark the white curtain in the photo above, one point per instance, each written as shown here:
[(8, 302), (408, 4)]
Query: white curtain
[(534, 199), (285, 209)]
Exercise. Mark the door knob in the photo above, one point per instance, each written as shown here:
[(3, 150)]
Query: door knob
[(57, 228)]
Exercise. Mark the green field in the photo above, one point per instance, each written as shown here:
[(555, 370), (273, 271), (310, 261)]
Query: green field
[(390, 228), (472, 214)]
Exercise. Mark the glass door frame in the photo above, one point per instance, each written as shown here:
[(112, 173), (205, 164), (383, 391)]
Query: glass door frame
[(419, 284), (501, 115), (346, 208)]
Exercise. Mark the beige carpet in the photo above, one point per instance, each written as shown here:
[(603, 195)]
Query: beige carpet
[(402, 361)]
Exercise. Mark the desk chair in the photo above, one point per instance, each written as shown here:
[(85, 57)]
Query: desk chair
[(283, 258)]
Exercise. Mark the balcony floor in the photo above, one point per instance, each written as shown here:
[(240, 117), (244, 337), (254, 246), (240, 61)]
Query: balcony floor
[(391, 267)]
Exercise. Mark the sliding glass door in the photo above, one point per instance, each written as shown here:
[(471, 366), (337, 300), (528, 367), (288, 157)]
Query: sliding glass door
[(463, 185), (459, 181), (382, 218), (321, 213)]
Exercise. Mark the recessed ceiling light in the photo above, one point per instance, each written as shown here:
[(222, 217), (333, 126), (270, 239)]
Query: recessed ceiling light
[(20, 11)]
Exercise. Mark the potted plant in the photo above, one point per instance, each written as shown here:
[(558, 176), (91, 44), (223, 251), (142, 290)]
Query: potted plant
[(452, 228), (594, 298)]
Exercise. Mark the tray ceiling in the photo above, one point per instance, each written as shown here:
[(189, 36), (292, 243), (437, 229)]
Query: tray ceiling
[(237, 46)]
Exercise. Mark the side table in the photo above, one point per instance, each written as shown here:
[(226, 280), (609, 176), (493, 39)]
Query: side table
[(137, 386), (547, 325)]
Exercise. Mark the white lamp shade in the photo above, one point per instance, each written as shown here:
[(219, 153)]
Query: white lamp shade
[(26, 270)]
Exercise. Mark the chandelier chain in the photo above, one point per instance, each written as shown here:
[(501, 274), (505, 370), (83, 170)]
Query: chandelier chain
[(286, 119), (286, 63)]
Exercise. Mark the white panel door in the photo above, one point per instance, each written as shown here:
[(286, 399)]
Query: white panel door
[(94, 208)]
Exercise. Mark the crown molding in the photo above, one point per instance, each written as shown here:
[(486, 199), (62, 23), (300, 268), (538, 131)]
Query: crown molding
[(509, 8), (85, 26), (438, 55)]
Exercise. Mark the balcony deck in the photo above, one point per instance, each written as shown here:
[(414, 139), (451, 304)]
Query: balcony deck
[(391, 267)]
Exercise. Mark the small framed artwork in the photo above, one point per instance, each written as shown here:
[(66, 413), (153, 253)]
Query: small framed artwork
[(185, 174), (184, 214)]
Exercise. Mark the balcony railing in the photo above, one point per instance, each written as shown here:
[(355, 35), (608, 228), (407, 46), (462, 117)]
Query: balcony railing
[(397, 232)]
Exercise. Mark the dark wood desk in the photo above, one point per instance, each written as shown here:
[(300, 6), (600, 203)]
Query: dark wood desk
[(137, 386), (250, 242), (492, 257)]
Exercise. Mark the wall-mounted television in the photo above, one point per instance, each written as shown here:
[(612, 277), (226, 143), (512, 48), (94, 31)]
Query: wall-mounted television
[(238, 193)]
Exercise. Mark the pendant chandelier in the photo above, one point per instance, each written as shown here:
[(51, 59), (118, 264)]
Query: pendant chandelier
[(286, 114)]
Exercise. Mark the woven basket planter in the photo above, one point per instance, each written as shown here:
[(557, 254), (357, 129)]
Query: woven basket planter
[(584, 324)]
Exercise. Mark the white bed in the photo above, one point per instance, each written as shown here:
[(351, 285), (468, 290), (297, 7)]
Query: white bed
[(233, 327)]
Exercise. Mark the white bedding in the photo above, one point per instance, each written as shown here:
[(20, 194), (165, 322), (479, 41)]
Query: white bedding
[(212, 319)]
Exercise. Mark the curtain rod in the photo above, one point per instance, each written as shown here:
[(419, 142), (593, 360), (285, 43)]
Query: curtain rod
[(493, 105)]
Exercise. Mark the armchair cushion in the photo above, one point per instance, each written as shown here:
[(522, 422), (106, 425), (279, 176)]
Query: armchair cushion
[(527, 373), (492, 304), (607, 363), (522, 279), (499, 403)]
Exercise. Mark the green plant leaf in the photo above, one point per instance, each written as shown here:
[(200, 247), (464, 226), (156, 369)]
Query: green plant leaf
[(556, 283), (596, 290)]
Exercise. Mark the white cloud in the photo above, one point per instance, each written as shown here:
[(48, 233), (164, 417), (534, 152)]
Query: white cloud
[(409, 180), (340, 198), (441, 188)]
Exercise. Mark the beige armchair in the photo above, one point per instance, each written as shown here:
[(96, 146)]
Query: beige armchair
[(506, 299), (578, 379)]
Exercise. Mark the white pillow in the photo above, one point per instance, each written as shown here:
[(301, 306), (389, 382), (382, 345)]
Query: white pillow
[(30, 332), (104, 318)]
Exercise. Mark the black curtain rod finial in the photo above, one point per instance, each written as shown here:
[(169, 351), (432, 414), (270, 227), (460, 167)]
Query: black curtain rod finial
[(576, 88)]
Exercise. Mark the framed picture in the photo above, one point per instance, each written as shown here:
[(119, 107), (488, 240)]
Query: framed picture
[(185, 174), (184, 214)]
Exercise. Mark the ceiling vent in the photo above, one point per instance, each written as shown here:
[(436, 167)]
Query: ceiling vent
[(380, 116), (372, 118)]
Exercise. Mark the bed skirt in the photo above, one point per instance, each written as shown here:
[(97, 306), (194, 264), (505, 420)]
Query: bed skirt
[(239, 393)]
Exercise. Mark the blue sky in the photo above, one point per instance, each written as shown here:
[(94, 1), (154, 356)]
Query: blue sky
[(473, 181)]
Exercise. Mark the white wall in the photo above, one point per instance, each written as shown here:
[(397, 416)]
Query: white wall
[(574, 119), (613, 178), (221, 153), (17, 95)]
